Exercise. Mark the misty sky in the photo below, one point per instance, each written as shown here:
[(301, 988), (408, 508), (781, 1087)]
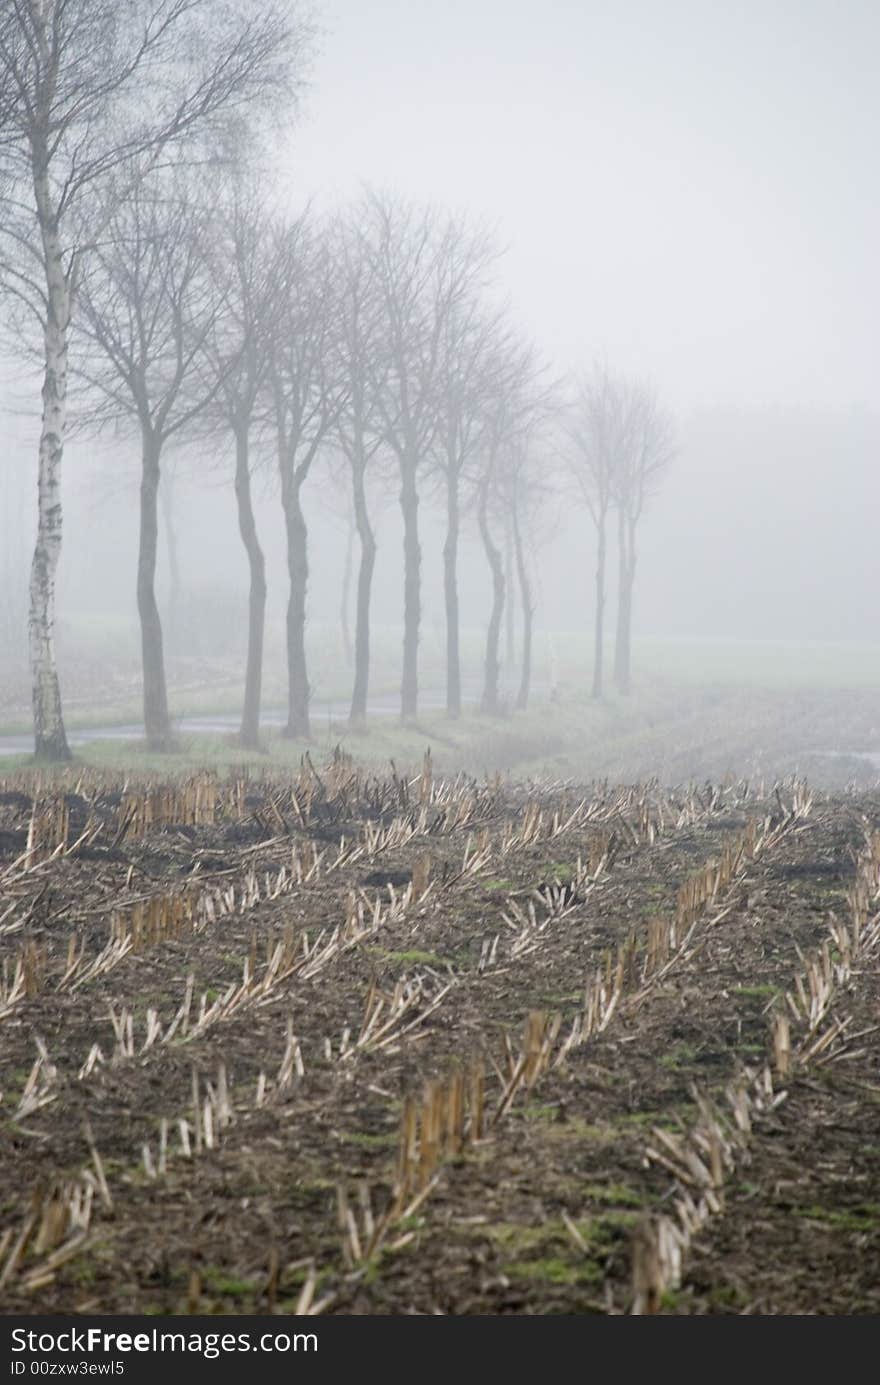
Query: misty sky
[(689, 187)]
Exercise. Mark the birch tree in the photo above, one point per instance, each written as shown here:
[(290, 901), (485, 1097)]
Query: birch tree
[(89, 88)]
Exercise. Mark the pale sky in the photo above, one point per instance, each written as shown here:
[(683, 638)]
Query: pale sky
[(686, 187)]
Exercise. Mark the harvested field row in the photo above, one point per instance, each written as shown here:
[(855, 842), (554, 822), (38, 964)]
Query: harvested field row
[(266, 1126), (360, 924), (272, 868)]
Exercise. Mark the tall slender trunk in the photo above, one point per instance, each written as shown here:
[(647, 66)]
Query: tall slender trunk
[(450, 593), (344, 601), (358, 713), (489, 701), (298, 568), (599, 634), (623, 639), (509, 611), (249, 733), (528, 613), (50, 739), (412, 561), (157, 724), (173, 612), (623, 674)]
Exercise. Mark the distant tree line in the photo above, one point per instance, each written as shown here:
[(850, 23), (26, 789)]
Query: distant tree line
[(187, 306)]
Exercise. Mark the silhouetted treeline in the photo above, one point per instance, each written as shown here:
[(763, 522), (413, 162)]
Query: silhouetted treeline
[(372, 345)]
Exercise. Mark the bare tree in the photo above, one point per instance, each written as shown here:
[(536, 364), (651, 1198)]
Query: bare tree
[(345, 591), (510, 605), (308, 391), (148, 306), (507, 492), (237, 356), (422, 276), (598, 429), (650, 447), (404, 258), (488, 502), (525, 488), (90, 90), (467, 381), (359, 427), (172, 551)]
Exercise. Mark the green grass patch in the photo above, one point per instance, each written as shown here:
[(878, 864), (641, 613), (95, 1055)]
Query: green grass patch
[(368, 1141), (562, 871), (613, 1194), (227, 1285), (859, 1217), (547, 1253), (551, 1269), (682, 1056), (756, 992), (671, 1118), (726, 1296)]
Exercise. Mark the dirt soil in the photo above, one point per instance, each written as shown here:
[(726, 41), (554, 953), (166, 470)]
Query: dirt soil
[(353, 938)]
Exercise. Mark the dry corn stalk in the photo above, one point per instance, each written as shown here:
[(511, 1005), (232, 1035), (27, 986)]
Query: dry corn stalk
[(54, 1229), (700, 1160)]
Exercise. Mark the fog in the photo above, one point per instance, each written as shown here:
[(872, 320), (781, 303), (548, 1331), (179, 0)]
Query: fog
[(687, 188), (687, 192), (439, 666), (765, 529)]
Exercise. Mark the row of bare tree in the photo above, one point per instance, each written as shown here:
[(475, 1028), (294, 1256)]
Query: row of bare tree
[(188, 308), (620, 444), (96, 98), (366, 343)]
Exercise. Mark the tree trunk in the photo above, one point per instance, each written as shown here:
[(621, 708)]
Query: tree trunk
[(50, 739), (249, 733), (509, 634), (450, 592), (489, 701), (412, 561), (623, 640), (157, 724), (599, 636), (298, 568), (173, 613), (623, 668), (346, 593), (358, 714), (528, 613)]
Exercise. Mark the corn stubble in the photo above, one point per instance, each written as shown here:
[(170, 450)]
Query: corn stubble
[(450, 1116), (702, 1158)]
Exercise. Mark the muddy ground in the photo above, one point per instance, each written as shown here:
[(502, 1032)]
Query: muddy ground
[(458, 909)]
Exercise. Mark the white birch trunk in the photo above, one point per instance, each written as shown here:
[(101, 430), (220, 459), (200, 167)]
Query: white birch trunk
[(50, 740)]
